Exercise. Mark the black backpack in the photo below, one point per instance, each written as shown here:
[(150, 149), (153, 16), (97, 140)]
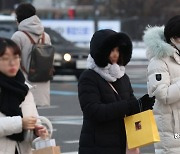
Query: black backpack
[(41, 60)]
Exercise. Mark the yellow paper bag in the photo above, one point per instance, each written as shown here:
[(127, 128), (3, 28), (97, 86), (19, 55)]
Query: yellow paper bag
[(141, 129), (48, 150)]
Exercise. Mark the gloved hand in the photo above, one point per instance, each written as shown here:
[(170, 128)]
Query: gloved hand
[(142, 104), (146, 102)]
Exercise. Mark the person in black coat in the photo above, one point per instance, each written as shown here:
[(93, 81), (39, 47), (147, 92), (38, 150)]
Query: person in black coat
[(106, 96)]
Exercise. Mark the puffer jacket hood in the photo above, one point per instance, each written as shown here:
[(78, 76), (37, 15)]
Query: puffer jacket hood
[(32, 25), (103, 41), (157, 47)]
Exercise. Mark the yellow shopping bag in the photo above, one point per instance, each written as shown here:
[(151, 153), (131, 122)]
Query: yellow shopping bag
[(141, 129)]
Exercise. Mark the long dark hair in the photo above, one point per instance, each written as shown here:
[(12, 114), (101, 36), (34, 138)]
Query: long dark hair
[(4, 43)]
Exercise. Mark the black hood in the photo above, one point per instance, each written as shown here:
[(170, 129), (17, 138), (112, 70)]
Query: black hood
[(103, 41)]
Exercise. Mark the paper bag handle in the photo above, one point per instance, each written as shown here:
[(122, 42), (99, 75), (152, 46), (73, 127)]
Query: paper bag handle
[(48, 123)]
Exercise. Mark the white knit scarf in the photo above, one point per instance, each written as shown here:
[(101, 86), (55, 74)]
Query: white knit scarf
[(110, 73)]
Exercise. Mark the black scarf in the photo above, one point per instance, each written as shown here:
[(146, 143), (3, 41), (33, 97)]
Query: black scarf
[(13, 91)]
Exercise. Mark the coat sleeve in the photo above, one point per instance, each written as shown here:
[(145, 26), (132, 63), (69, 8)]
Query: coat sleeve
[(29, 109), (13, 125), (28, 106), (159, 84), (10, 125), (92, 106)]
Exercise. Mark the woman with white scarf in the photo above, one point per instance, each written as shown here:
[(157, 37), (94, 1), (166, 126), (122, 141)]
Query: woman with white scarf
[(106, 95)]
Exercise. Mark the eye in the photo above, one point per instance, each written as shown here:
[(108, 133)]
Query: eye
[(16, 57), (5, 58)]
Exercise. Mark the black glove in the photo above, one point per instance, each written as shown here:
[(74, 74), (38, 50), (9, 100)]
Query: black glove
[(142, 104), (146, 102)]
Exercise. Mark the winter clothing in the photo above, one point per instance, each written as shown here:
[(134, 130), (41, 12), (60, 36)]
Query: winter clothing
[(164, 84), (146, 106), (13, 90), (10, 117), (104, 40), (104, 109), (103, 129), (110, 73), (33, 26)]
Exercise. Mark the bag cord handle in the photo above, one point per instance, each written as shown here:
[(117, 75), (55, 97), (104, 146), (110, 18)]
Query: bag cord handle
[(139, 101)]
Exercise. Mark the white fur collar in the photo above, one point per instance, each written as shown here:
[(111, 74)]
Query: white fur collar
[(110, 73), (156, 44)]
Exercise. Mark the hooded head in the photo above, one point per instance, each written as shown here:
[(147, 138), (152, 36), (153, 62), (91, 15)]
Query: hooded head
[(172, 28), (24, 11), (28, 20), (102, 43)]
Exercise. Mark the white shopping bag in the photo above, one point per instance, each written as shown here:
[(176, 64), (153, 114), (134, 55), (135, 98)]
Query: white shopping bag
[(40, 143)]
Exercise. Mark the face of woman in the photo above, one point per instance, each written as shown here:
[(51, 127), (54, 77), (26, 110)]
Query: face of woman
[(114, 55), (177, 40), (9, 63)]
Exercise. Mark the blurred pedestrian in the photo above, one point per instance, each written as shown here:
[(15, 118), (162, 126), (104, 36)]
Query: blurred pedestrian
[(163, 51), (18, 112), (29, 22), (106, 95)]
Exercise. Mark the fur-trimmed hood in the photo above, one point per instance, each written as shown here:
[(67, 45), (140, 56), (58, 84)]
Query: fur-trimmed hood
[(154, 40), (103, 41)]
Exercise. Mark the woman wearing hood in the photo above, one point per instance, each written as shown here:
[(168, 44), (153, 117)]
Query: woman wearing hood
[(106, 95), (163, 51), (29, 22)]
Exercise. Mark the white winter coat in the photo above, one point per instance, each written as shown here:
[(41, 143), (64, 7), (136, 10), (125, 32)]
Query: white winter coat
[(12, 125), (164, 84), (33, 26)]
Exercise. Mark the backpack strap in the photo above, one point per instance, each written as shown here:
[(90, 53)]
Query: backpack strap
[(29, 36), (31, 39), (33, 42), (43, 38)]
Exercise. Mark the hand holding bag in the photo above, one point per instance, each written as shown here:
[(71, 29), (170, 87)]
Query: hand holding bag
[(141, 129), (45, 146), (128, 151)]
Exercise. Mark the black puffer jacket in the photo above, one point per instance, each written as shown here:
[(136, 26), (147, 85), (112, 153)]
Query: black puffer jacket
[(103, 130)]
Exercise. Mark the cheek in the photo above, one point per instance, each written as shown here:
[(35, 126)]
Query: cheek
[(117, 54), (18, 66), (4, 69)]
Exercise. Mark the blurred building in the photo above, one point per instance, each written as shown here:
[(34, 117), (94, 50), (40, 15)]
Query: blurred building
[(6, 6), (134, 15)]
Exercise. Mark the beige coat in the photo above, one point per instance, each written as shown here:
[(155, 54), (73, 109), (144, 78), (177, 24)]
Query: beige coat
[(33, 26), (11, 125), (164, 84)]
